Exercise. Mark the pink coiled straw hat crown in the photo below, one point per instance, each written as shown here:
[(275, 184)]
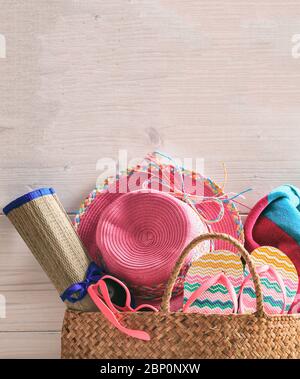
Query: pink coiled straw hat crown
[(142, 233), (138, 237)]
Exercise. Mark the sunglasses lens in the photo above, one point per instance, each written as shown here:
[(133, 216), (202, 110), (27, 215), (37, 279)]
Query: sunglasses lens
[(116, 292), (133, 303)]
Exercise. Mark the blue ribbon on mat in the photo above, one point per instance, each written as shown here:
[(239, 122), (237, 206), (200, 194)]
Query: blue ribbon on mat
[(77, 291)]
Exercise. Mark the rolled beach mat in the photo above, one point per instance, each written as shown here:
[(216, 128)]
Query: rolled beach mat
[(44, 225)]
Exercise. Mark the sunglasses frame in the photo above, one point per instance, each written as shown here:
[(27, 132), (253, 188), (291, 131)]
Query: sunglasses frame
[(104, 294)]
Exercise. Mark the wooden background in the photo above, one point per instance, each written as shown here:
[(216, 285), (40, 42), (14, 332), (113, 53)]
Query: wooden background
[(84, 79)]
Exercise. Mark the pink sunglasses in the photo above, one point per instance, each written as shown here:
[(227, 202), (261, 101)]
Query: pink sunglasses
[(111, 295)]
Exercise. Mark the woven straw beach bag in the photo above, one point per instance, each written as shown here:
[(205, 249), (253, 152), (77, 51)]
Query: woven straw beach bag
[(185, 335)]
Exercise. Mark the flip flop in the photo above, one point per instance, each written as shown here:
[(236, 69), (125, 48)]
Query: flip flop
[(213, 282), (279, 282)]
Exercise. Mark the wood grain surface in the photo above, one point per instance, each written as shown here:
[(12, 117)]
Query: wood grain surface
[(84, 79)]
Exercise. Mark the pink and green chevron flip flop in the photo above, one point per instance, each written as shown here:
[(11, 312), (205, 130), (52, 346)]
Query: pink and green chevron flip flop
[(279, 282), (213, 282)]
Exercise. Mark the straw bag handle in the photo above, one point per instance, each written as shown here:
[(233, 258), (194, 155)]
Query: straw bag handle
[(213, 236)]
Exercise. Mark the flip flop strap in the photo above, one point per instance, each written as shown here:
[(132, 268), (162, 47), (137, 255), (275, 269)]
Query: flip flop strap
[(207, 284), (262, 270)]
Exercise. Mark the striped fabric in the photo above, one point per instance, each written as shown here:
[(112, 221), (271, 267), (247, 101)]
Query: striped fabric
[(275, 221), (216, 299), (272, 292)]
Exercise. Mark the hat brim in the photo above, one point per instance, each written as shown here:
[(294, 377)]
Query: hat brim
[(87, 217), (86, 220)]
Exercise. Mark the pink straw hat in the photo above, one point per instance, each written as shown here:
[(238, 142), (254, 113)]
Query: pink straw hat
[(100, 216), (142, 233), (138, 236)]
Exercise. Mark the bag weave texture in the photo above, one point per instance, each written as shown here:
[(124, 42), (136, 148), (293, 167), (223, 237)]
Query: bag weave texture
[(185, 335)]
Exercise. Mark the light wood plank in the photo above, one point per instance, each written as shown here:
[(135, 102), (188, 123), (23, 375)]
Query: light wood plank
[(32, 303), (29, 345), (32, 311), (84, 79)]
